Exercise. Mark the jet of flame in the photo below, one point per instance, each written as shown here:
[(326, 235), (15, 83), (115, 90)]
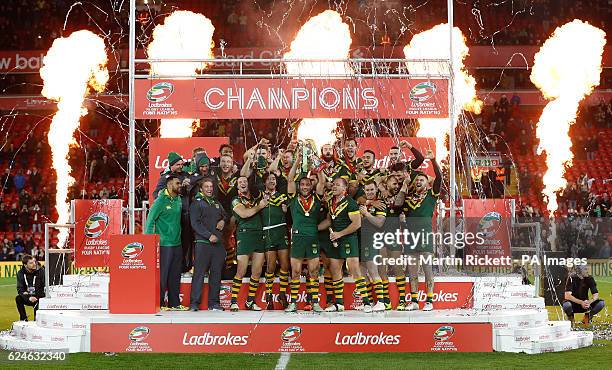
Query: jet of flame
[(183, 35), (566, 69), (324, 36), (72, 66), (434, 44)]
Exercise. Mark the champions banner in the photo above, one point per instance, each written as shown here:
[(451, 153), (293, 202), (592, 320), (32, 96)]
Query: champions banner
[(493, 219), (291, 98), (160, 147), (303, 337), (94, 222)]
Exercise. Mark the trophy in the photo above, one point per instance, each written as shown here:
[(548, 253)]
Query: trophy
[(309, 156)]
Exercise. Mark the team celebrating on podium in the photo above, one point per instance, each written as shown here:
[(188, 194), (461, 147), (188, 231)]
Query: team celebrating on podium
[(302, 213)]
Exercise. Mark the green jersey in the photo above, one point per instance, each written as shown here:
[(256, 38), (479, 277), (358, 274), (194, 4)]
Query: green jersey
[(253, 223), (306, 214), (341, 211), (164, 219), (419, 210), (273, 213)]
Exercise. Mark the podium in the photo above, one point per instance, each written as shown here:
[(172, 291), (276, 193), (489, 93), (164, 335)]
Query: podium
[(134, 274)]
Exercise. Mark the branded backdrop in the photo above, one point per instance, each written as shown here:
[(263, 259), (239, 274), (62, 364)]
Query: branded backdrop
[(492, 218), (94, 222), (292, 98), (382, 145), (160, 147), (303, 337)]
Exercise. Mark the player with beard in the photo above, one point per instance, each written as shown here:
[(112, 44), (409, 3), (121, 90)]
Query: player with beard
[(225, 191), (285, 157), (373, 220), (388, 192), (395, 157), (332, 169), (306, 212), (353, 164), (257, 161), (344, 220), (275, 236), (368, 173), (246, 208), (419, 202)]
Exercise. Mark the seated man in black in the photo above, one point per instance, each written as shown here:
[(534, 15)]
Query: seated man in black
[(577, 300), (30, 286)]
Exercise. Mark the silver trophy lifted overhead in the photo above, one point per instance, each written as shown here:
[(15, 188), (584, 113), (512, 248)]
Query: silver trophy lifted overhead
[(309, 155)]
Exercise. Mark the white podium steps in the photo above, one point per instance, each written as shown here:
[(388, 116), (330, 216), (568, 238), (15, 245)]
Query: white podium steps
[(72, 339), (515, 339), (508, 291), (9, 342), (509, 304), (73, 303), (573, 340), (78, 294)]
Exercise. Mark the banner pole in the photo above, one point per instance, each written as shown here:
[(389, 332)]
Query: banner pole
[(132, 123), (451, 114)]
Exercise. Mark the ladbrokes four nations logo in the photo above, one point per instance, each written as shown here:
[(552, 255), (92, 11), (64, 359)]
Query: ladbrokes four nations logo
[(138, 334), (290, 340), (442, 336), (132, 250), (160, 92), (423, 91), (96, 224)]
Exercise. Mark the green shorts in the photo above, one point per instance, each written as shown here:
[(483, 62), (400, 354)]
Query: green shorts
[(276, 239), (419, 248), (304, 247), (327, 246), (348, 246), (367, 252), (249, 241)]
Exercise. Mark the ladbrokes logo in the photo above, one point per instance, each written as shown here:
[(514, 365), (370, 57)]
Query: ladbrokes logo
[(139, 334), (360, 339), (291, 334), (132, 250), (290, 341), (442, 336), (137, 340), (96, 225), (130, 254), (489, 224), (208, 339), (160, 92), (423, 91)]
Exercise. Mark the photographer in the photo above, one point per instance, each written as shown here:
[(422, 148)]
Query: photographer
[(577, 300), (30, 286)]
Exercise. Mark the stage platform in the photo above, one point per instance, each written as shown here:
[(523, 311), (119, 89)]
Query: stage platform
[(488, 326)]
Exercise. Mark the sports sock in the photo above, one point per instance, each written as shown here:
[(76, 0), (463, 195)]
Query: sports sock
[(314, 289), (283, 278), (339, 291), (385, 287), (295, 289), (414, 297), (253, 285), (361, 287), (430, 297), (329, 289), (236, 284), (400, 281), (378, 290), (269, 282)]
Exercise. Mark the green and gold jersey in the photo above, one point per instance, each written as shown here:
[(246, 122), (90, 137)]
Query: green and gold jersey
[(306, 214), (340, 212), (253, 223), (273, 213), (419, 209), (376, 211), (226, 190)]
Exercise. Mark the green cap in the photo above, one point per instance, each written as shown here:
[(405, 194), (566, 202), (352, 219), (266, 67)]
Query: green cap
[(204, 161), (174, 157)]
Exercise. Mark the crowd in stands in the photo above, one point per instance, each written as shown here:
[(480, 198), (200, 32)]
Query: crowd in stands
[(33, 24)]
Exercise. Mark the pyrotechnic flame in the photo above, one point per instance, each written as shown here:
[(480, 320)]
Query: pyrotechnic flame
[(183, 35), (566, 69), (434, 44), (323, 36), (72, 66)]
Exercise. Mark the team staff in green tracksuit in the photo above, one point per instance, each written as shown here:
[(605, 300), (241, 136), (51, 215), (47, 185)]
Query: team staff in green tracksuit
[(164, 219)]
